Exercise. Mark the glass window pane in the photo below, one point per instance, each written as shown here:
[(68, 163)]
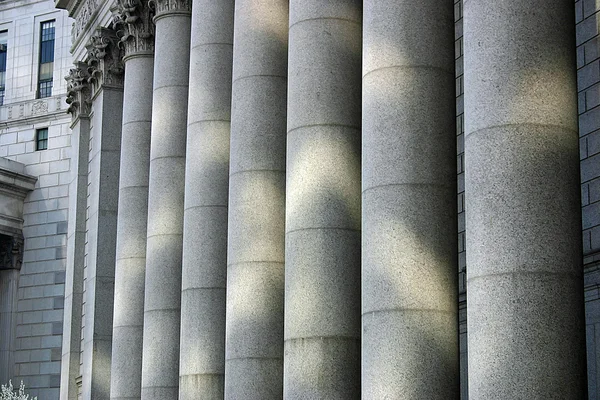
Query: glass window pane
[(47, 52), (46, 71), (45, 89)]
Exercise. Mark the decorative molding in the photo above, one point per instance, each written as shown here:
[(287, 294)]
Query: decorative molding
[(105, 60), (163, 7), (133, 21), (78, 91), (86, 11), (39, 107)]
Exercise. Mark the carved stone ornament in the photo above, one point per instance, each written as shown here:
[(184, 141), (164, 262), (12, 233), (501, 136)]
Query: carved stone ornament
[(105, 61), (87, 9), (78, 90), (11, 252), (39, 107), (132, 20), (171, 6)]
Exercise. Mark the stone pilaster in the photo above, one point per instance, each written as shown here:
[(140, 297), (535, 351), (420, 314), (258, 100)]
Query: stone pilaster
[(206, 186), (106, 79), (525, 317), (255, 270), (160, 369), (79, 100), (323, 210), (11, 258), (136, 30), (409, 253)]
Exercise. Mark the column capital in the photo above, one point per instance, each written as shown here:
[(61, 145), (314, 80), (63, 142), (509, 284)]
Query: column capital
[(164, 7), (78, 91), (105, 59), (135, 29)]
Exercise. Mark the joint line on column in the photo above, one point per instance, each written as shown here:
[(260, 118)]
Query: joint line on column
[(161, 157), (451, 73), (144, 121), (252, 358), (317, 125), (475, 132), (325, 18), (254, 262), (575, 275), (207, 120), (447, 186), (340, 337), (196, 46), (191, 289), (325, 228), (241, 78), (205, 206), (256, 170), (161, 310), (400, 310)]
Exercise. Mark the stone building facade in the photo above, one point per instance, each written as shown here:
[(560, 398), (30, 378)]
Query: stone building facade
[(35, 164), (264, 196)]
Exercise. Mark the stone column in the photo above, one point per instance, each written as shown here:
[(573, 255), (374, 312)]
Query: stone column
[(322, 248), (106, 78), (78, 98), (409, 225), (202, 360), (524, 274), (160, 365), (255, 273), (136, 31)]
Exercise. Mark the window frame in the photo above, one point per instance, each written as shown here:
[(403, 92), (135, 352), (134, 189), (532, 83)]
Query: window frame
[(46, 51), (41, 139)]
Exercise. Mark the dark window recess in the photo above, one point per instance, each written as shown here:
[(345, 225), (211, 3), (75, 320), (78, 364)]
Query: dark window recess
[(3, 50), (46, 59), (41, 139)]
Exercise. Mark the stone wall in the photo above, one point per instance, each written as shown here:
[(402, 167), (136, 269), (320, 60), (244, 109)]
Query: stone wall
[(42, 276), (588, 81)]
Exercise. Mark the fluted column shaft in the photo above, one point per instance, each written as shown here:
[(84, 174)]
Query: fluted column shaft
[(255, 273), (524, 274), (126, 369), (160, 362), (205, 218), (322, 249), (409, 245)]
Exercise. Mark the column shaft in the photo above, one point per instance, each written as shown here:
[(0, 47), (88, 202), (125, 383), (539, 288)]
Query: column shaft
[(160, 362), (71, 340), (205, 218), (409, 225), (128, 321), (103, 183), (524, 274), (322, 248), (255, 273)]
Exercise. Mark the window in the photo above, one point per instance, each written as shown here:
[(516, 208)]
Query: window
[(3, 48), (46, 59), (41, 139)]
